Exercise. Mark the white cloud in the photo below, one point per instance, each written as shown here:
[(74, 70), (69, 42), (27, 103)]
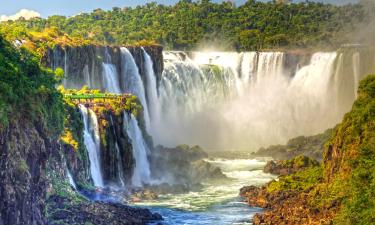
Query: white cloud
[(25, 13)]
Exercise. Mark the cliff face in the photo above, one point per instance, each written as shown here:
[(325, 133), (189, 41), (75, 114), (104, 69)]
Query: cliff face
[(25, 148), (30, 123), (83, 64), (116, 149), (354, 137)]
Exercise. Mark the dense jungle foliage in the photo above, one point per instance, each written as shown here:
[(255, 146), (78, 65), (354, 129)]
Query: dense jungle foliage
[(188, 24), (27, 89)]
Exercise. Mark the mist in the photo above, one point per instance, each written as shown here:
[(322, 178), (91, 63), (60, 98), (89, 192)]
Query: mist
[(365, 32), (243, 101)]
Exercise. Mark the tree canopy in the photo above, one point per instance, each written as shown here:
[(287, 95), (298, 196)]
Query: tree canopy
[(188, 24)]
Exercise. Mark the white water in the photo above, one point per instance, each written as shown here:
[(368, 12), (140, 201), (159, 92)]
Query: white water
[(71, 180), (111, 79), (133, 83), (92, 143), (141, 174), (119, 166), (356, 71), (217, 202), (152, 94), (243, 101)]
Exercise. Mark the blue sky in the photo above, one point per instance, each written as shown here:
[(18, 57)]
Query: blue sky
[(72, 7)]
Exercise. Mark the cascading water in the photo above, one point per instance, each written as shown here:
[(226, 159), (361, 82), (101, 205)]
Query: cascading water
[(356, 71), (141, 174), (111, 79), (152, 94), (133, 82), (92, 143), (71, 180), (246, 100)]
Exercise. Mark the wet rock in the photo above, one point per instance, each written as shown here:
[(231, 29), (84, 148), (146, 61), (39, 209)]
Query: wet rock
[(311, 146), (68, 211), (183, 166), (24, 150)]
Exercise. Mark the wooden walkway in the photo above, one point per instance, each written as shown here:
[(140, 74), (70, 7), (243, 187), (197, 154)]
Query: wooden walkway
[(85, 97)]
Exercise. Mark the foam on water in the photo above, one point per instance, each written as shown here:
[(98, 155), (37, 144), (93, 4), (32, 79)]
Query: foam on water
[(217, 202)]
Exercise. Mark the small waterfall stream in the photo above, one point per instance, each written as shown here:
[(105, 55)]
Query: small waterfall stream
[(152, 94), (141, 174), (71, 180), (111, 79), (92, 142)]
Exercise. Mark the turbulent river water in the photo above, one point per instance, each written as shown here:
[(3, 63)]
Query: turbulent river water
[(216, 202)]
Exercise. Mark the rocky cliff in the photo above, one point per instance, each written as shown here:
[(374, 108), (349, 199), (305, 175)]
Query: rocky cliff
[(83, 64), (25, 149), (30, 124)]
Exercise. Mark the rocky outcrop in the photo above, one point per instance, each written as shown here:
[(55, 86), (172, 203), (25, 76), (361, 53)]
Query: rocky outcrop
[(311, 146), (183, 167), (287, 207), (24, 151), (286, 167), (116, 148), (63, 211)]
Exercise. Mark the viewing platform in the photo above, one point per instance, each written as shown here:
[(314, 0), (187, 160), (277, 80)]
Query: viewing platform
[(98, 96)]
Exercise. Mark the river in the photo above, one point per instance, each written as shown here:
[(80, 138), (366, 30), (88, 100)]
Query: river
[(216, 202)]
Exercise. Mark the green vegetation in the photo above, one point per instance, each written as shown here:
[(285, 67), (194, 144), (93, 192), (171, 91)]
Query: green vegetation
[(300, 161), (38, 41), (102, 102), (27, 90), (348, 173), (311, 146), (300, 181), (355, 142), (187, 24)]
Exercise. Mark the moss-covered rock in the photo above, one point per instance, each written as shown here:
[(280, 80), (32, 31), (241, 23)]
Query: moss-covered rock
[(311, 146), (286, 167)]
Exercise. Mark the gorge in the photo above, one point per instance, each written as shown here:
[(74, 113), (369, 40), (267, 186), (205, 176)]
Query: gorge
[(199, 98), (187, 112)]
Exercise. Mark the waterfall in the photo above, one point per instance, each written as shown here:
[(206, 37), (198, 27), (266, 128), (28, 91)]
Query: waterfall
[(71, 180), (141, 174), (152, 94), (110, 78), (248, 67), (119, 166), (133, 82), (92, 143), (356, 71), (227, 100), (230, 100), (66, 71)]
